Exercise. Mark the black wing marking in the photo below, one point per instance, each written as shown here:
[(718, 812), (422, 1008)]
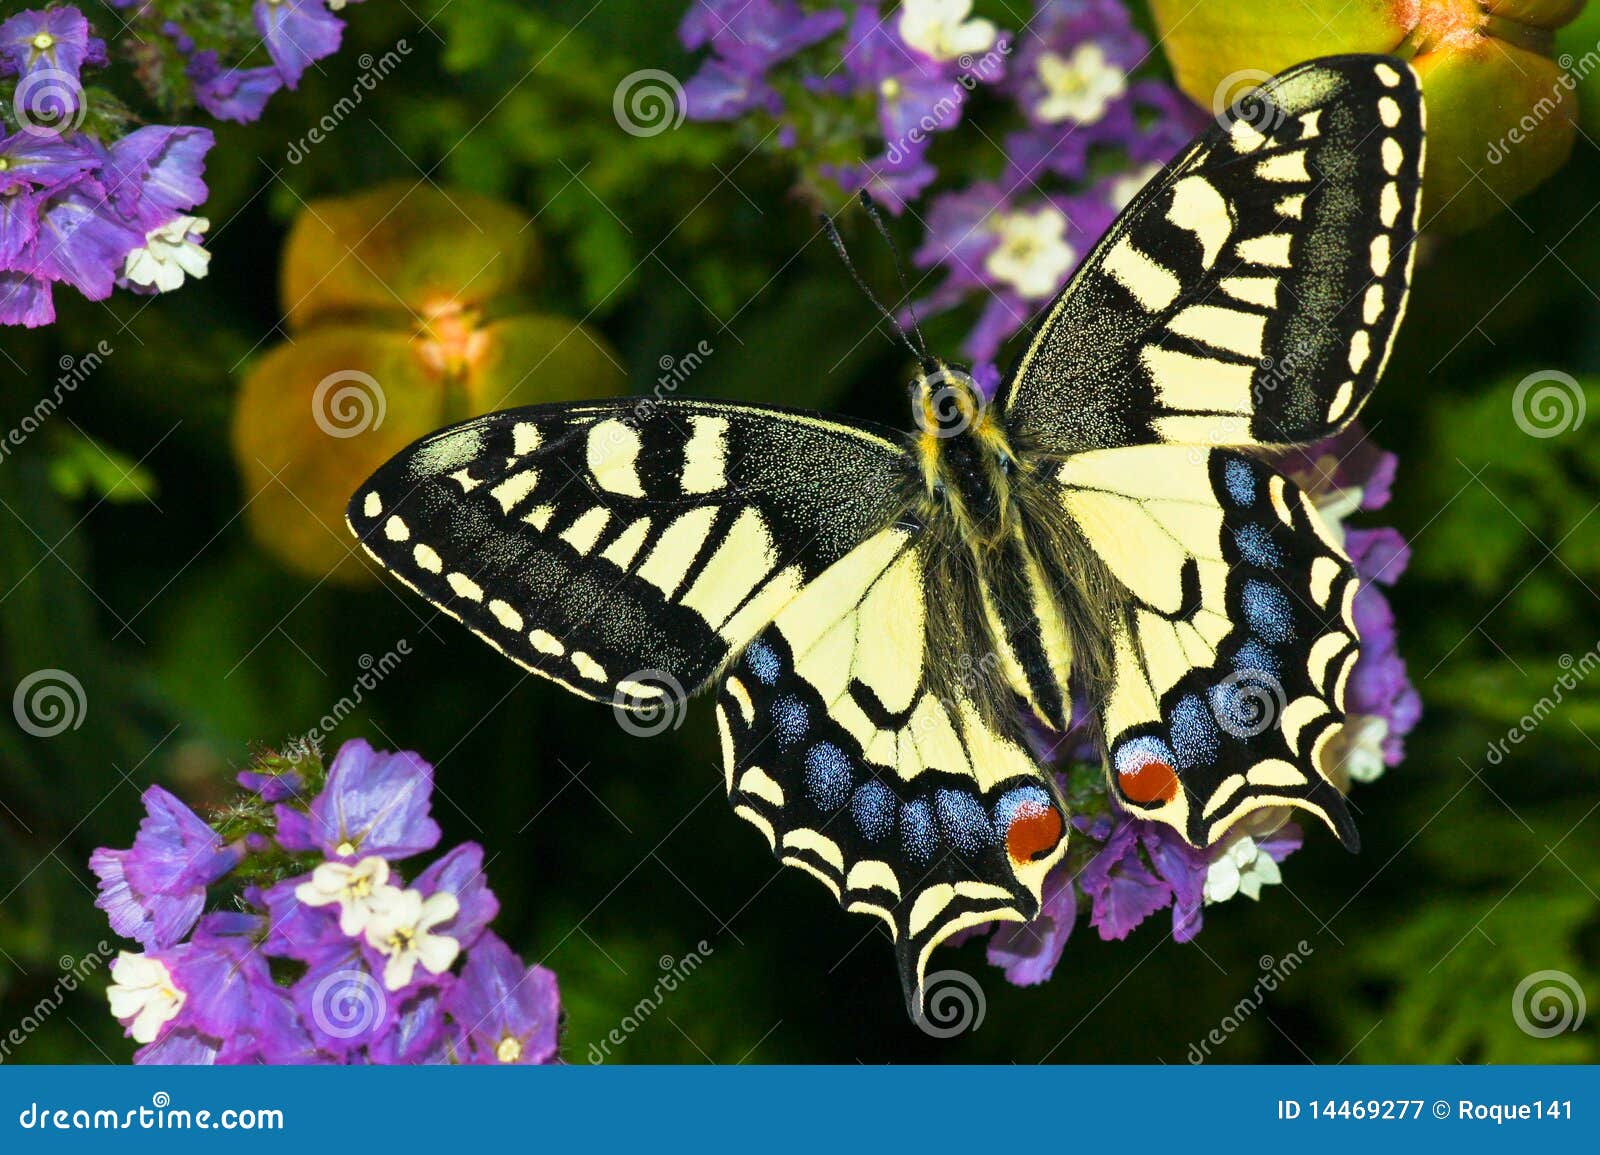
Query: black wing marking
[(594, 542), (1250, 293)]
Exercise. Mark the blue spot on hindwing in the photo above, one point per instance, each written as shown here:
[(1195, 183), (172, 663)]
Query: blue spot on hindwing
[(918, 837), (1267, 610), (828, 777), (763, 662), (963, 820), (872, 807), (1257, 547), (1194, 732), (1241, 482), (1255, 656), (790, 719)]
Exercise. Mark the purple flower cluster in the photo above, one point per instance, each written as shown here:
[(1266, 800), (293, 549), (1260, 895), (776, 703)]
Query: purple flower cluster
[(74, 210), (329, 955), (1124, 869), (295, 34), (896, 76)]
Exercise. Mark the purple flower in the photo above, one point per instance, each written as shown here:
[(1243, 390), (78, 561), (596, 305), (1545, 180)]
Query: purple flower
[(81, 241), (272, 787), (297, 32), (25, 300), (19, 223), (461, 873), (720, 91), (422, 1033), (54, 39), (1071, 79), (1181, 867), (915, 95), (237, 94), (343, 1006), (753, 35), (158, 172), (1028, 952), (372, 804), (154, 892), (42, 160), (509, 1013), (376, 961), (1121, 890), (203, 1001)]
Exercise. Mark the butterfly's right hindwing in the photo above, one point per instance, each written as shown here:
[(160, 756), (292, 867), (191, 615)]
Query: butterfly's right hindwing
[(592, 543)]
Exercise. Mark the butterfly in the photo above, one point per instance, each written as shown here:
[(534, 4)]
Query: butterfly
[(882, 614)]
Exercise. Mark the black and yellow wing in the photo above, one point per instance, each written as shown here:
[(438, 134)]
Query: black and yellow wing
[(1248, 297), (1250, 293), (594, 543), (862, 761), (1231, 651)]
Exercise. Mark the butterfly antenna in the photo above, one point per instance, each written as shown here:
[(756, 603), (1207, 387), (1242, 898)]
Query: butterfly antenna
[(899, 269), (832, 230)]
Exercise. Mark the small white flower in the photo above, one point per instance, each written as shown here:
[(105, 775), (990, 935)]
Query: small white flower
[(1358, 750), (1242, 868), (359, 890), (1033, 255), (1079, 87), (142, 990), (168, 254), (941, 28), (402, 930), (1127, 186)]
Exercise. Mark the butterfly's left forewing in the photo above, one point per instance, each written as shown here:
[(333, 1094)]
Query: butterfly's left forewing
[(861, 765)]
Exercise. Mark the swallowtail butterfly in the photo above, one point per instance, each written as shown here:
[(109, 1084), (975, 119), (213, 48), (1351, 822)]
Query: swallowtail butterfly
[(876, 611)]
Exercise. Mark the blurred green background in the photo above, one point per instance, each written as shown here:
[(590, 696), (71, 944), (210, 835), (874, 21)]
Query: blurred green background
[(125, 560)]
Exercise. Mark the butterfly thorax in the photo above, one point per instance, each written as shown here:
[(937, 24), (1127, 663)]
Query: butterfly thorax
[(965, 459)]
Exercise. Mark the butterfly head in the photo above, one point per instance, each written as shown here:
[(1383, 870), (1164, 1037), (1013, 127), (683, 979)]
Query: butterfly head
[(962, 448)]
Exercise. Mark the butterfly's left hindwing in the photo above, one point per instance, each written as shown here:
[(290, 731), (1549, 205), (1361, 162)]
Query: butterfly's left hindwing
[(1233, 647), (844, 749), (625, 549), (1250, 293)]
